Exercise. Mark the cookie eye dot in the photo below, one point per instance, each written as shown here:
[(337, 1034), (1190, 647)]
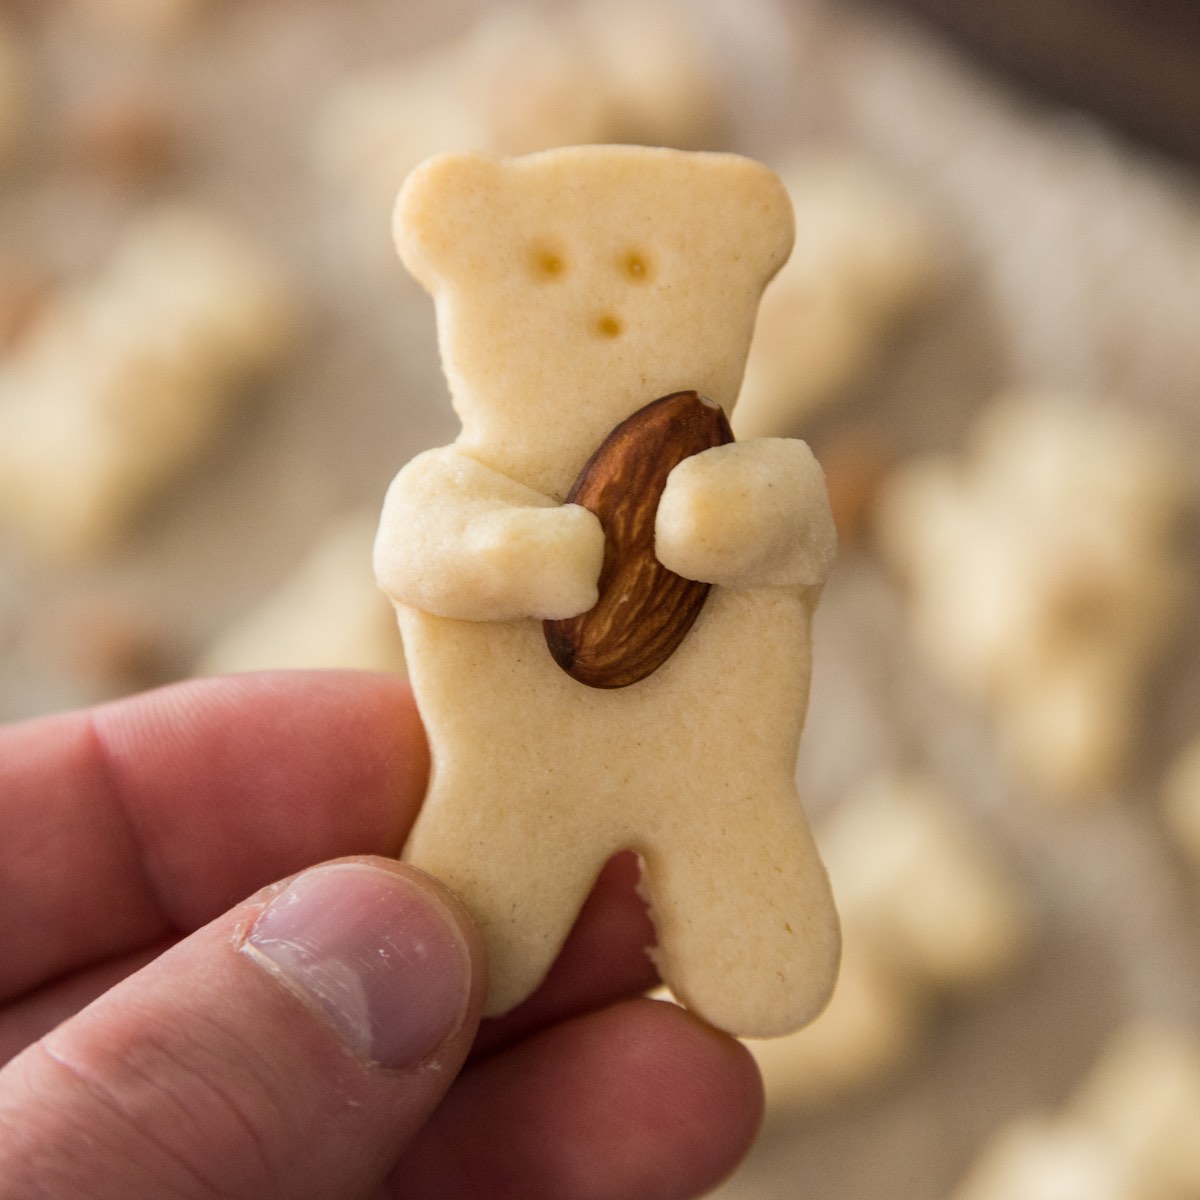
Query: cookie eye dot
[(547, 262), (609, 326), (636, 265)]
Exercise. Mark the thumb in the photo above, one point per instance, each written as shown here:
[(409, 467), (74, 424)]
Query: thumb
[(291, 1048)]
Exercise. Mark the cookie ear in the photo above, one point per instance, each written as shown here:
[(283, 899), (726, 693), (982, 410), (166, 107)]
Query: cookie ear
[(759, 206), (441, 207)]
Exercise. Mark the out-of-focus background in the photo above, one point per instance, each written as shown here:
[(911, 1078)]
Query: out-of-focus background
[(211, 365)]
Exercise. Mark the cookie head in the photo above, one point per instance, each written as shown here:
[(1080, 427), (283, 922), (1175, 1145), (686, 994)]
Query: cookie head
[(575, 285)]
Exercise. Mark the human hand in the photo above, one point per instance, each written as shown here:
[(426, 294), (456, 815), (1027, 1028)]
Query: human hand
[(321, 1038)]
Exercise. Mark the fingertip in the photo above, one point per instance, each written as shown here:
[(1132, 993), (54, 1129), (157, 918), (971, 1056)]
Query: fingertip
[(712, 1083), (379, 951), (640, 1101)]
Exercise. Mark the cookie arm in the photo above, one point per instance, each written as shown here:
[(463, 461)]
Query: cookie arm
[(748, 514), (460, 540)]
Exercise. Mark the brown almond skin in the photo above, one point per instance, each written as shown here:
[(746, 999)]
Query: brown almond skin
[(644, 610)]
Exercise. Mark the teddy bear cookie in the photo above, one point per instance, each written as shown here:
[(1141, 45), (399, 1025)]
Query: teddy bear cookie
[(595, 307)]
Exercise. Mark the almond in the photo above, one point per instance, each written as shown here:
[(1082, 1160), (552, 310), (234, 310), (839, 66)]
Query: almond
[(644, 610)]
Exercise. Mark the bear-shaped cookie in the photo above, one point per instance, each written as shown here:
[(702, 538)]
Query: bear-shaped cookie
[(573, 288)]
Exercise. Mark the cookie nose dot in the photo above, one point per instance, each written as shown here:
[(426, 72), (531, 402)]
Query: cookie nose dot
[(609, 326), (547, 262), (636, 265)]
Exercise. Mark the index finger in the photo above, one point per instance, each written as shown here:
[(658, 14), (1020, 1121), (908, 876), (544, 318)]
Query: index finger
[(149, 816)]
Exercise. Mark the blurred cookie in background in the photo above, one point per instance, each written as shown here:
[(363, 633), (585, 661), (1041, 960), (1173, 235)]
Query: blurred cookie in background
[(327, 613), (867, 255), (930, 914), (1131, 1130), (124, 379), (519, 79), (1045, 576)]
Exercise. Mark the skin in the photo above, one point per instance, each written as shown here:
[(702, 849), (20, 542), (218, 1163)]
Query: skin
[(139, 839)]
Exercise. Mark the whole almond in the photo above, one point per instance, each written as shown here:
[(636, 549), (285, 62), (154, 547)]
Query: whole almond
[(644, 610)]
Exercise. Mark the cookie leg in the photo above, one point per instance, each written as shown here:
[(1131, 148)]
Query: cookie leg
[(748, 936), (524, 879)]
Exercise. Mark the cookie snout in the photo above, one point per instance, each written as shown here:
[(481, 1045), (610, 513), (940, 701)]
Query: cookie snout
[(608, 324)]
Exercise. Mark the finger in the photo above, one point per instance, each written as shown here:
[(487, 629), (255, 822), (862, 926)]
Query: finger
[(33, 1016), (151, 815), (290, 1048), (605, 959), (641, 1101)]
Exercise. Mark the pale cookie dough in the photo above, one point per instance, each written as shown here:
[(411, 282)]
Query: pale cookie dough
[(124, 378), (572, 288), (874, 1026), (1046, 575)]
